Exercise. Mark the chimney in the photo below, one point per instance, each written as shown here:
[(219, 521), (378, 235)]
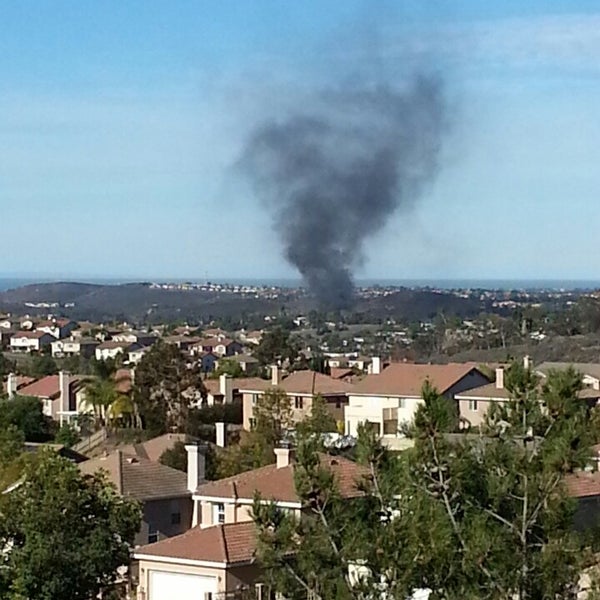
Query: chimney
[(376, 365), (220, 434), (196, 465), (500, 378), (284, 455), (226, 388), (11, 385), (275, 375), (63, 386), (527, 362)]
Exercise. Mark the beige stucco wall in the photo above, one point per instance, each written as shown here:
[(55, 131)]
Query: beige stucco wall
[(475, 417), (370, 408), (234, 513)]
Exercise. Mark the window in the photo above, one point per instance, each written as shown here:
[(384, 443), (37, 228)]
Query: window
[(252, 422), (473, 405), (176, 518), (153, 535), (299, 402), (218, 513), (254, 399)]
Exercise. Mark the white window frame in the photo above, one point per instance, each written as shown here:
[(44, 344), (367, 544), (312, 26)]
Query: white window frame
[(473, 405), (218, 513)]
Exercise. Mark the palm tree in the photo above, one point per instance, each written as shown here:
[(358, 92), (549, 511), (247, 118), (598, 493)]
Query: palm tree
[(100, 394)]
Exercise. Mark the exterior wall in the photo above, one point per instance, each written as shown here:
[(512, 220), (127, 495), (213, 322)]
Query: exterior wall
[(104, 353), (371, 408), (157, 517), (475, 415), (241, 577), (336, 405), (145, 567)]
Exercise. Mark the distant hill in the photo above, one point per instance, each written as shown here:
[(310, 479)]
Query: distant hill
[(140, 302)]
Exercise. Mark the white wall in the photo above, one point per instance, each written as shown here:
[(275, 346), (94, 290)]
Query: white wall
[(370, 408)]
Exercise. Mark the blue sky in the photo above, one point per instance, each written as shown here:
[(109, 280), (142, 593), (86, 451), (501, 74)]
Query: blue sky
[(120, 123)]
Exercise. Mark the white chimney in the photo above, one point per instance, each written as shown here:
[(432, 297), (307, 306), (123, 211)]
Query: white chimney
[(275, 375), (196, 465), (220, 434), (376, 365), (526, 363), (284, 457), (500, 378), (11, 385), (63, 386), (226, 388)]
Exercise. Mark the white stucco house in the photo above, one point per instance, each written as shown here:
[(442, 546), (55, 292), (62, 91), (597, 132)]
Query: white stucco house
[(30, 341)]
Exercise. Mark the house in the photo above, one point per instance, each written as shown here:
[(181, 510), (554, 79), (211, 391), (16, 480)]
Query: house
[(14, 383), (387, 398), (207, 361), (227, 347), (186, 330), (590, 372), (30, 341), (154, 448), (474, 403), (183, 342), (111, 349), (301, 387), (251, 337), (74, 346), (215, 333), (227, 389), (62, 395), (216, 558), (136, 353), (135, 337), (5, 335), (246, 362), (164, 492), (57, 328)]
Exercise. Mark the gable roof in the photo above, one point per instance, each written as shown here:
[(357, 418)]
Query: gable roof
[(583, 484), (277, 484), (407, 379), (592, 369), (300, 382), (46, 387), (138, 477), (228, 544), (154, 448), (31, 335)]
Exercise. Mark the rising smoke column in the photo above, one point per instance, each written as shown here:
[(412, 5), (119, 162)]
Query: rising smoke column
[(334, 173)]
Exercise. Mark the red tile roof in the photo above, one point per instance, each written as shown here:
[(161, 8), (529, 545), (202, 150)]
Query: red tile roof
[(278, 484), (46, 387), (22, 380), (407, 379), (301, 382), (32, 335), (583, 484), (228, 544)]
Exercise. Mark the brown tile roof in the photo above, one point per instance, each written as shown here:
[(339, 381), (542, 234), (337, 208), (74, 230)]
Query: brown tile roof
[(486, 391), (340, 372), (583, 484), (592, 369), (229, 544), (46, 387), (111, 345), (31, 335), (153, 449), (406, 379), (22, 380), (491, 392), (278, 484), (301, 382), (139, 478)]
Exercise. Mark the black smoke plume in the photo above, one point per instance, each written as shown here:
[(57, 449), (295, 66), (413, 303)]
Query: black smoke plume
[(334, 172)]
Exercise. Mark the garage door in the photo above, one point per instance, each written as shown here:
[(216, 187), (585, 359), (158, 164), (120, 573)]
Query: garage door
[(179, 586)]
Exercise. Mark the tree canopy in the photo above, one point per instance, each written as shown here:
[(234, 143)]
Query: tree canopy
[(66, 534), (465, 517), (166, 385)]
